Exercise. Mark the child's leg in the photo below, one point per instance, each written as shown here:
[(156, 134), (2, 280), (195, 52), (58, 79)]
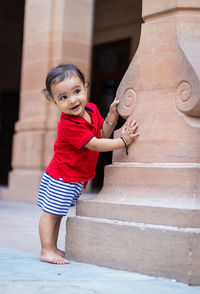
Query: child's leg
[(48, 236), (56, 231)]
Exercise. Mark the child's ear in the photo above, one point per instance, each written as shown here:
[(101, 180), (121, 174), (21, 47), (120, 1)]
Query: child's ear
[(48, 95), (87, 85)]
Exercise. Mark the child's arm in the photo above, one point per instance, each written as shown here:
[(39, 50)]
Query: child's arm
[(128, 136), (110, 121)]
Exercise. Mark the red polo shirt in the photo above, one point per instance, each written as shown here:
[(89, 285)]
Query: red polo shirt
[(72, 161)]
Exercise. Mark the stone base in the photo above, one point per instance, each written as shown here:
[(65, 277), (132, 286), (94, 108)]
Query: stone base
[(23, 186), (146, 219), (174, 185), (164, 251), (185, 218)]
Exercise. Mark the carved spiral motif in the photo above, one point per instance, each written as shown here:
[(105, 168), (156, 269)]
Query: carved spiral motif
[(184, 91), (184, 98), (188, 98), (128, 103), (129, 97)]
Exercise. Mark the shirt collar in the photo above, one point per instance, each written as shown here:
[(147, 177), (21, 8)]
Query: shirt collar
[(77, 119)]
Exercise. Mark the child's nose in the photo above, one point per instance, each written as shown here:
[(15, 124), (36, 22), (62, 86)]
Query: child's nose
[(72, 99)]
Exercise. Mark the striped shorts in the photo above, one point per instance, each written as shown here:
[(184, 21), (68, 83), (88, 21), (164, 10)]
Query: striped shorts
[(55, 196)]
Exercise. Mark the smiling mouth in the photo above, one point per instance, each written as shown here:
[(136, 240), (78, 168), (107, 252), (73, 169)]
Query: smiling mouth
[(75, 107)]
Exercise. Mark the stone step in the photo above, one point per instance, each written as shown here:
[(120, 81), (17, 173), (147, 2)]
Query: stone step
[(179, 217), (164, 251)]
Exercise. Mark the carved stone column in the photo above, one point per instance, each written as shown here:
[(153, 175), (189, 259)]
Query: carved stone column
[(54, 31), (147, 217)]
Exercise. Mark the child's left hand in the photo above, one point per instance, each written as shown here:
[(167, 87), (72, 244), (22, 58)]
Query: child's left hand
[(113, 108)]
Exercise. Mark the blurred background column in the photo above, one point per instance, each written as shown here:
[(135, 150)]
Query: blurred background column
[(54, 31)]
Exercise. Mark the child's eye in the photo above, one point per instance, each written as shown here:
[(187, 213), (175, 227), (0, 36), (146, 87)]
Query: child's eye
[(77, 91), (63, 97)]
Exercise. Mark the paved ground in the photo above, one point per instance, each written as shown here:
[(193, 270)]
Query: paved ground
[(22, 272)]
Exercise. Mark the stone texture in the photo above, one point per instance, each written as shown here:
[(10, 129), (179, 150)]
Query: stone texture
[(159, 88), (146, 218), (153, 7), (136, 213), (47, 26), (154, 250), (23, 185)]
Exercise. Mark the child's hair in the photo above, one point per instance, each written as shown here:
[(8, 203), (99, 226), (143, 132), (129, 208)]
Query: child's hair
[(58, 74)]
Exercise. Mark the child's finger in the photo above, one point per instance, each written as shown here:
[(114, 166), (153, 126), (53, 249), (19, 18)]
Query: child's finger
[(135, 126), (133, 122), (134, 135), (134, 130), (114, 103), (129, 120)]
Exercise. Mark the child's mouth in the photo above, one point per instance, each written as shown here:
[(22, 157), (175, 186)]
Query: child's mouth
[(75, 107)]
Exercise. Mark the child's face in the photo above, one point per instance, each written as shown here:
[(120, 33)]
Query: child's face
[(70, 95)]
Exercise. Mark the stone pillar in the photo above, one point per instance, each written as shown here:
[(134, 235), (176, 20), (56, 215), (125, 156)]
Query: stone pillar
[(54, 31), (147, 217)]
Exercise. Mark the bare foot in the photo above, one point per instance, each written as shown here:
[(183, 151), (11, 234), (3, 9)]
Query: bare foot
[(60, 252), (53, 257)]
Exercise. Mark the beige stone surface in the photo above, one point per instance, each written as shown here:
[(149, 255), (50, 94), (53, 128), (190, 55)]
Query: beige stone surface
[(146, 214), (151, 7), (151, 249), (23, 185), (146, 218), (28, 153), (54, 32), (165, 185), (159, 89)]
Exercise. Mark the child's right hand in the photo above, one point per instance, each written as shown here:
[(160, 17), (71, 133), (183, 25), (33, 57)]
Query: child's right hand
[(129, 131)]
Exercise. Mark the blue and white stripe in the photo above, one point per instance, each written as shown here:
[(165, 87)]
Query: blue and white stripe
[(56, 196)]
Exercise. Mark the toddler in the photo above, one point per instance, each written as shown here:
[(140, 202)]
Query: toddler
[(82, 134)]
